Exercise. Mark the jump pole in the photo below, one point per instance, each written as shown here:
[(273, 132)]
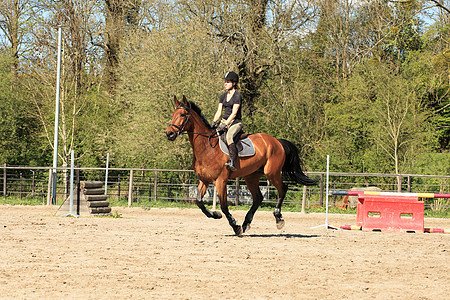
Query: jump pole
[(420, 195), (71, 188), (55, 141), (326, 199)]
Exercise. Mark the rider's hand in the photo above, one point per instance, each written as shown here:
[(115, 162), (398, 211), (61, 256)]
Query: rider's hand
[(222, 127)]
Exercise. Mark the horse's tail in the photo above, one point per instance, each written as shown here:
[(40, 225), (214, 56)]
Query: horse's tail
[(292, 165)]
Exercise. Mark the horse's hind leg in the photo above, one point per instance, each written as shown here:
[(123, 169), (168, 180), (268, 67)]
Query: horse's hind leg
[(201, 190), (252, 182), (282, 189)]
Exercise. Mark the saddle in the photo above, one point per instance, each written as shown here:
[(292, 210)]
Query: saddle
[(243, 144)]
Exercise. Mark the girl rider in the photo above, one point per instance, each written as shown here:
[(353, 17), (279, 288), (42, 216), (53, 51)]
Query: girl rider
[(231, 121)]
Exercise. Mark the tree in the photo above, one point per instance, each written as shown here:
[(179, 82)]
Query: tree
[(432, 70), (16, 19), (179, 59), (19, 143), (441, 5), (117, 15), (292, 103), (248, 41), (380, 112), (80, 100)]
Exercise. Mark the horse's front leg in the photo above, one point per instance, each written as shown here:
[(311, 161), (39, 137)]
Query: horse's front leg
[(222, 192), (201, 190)]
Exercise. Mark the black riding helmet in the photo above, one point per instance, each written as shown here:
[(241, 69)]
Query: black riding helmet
[(231, 76)]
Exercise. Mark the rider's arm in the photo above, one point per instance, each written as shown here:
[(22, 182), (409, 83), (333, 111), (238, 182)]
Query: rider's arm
[(218, 113), (233, 114)]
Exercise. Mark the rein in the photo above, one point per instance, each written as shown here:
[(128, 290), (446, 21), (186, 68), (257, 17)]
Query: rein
[(181, 128)]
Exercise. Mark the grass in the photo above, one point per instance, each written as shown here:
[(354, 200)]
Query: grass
[(29, 200), (291, 207), (445, 213)]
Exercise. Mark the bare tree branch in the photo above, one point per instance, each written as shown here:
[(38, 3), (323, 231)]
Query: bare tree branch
[(439, 4)]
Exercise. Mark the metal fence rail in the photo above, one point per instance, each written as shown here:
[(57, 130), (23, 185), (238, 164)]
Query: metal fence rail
[(147, 185)]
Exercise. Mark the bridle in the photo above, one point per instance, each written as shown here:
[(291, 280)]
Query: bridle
[(181, 128), (185, 121)]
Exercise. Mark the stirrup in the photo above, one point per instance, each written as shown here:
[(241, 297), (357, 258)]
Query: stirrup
[(230, 165)]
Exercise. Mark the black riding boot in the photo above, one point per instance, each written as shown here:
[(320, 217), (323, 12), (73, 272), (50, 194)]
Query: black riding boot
[(231, 164)]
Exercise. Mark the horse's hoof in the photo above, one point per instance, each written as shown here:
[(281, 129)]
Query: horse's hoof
[(246, 227), (280, 224), (216, 215), (238, 230)]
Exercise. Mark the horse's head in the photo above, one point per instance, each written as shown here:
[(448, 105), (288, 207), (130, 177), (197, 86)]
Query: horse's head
[(180, 119)]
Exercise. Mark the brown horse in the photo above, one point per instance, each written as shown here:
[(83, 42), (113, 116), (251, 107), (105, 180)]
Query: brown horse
[(271, 158)]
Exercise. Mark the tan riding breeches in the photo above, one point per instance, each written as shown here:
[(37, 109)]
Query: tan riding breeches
[(232, 131)]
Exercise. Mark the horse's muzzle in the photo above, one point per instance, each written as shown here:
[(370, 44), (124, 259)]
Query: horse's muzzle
[(171, 136)]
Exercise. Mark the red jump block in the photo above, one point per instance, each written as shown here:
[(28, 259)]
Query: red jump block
[(390, 213)]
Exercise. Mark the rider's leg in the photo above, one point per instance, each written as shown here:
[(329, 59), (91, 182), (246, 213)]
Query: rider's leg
[(231, 133)]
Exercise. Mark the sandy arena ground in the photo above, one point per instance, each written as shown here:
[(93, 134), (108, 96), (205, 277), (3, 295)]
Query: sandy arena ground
[(180, 254)]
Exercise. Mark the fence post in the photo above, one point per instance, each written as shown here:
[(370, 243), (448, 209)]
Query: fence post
[(67, 183), (169, 189), (155, 184), (321, 190), (78, 188), (4, 182), (149, 189), (20, 186), (237, 191), (399, 183), (409, 184), (49, 188), (118, 183), (130, 189), (33, 184), (304, 200), (214, 197)]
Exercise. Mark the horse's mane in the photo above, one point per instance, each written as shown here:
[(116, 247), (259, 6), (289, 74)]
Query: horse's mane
[(198, 110)]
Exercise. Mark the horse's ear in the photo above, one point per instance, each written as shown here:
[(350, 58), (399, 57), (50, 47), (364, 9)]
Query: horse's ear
[(185, 102), (175, 100)]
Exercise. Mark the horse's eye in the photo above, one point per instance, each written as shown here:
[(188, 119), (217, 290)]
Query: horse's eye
[(183, 115)]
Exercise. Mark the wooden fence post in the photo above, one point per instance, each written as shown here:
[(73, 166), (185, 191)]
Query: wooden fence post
[(169, 190), (78, 188), (130, 189), (149, 189), (237, 191), (49, 187), (321, 190), (20, 186), (304, 200), (118, 183), (155, 184), (4, 182), (33, 184)]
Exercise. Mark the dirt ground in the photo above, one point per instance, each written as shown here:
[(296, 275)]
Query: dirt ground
[(180, 254)]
